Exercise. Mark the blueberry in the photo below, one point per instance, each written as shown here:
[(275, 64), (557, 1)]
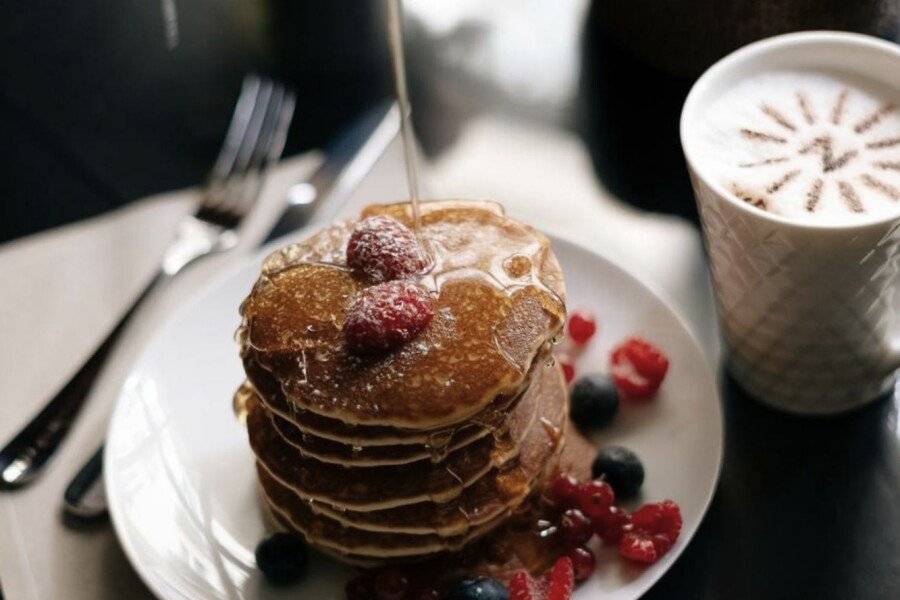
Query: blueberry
[(594, 401), (621, 468), (477, 588), (282, 558)]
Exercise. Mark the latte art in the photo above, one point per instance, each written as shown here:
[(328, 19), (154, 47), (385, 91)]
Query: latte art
[(810, 146)]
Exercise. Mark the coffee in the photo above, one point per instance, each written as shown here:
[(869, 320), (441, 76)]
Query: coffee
[(812, 146)]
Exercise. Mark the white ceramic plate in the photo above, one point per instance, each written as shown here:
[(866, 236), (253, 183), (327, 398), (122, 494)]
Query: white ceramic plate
[(179, 474)]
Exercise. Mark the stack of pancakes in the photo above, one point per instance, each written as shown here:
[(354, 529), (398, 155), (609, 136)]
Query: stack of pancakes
[(420, 450)]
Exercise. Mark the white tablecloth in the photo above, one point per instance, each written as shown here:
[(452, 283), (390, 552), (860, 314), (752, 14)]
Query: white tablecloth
[(63, 289)]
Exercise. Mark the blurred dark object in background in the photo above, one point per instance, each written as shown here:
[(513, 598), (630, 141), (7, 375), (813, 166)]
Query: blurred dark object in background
[(640, 58), (103, 102)]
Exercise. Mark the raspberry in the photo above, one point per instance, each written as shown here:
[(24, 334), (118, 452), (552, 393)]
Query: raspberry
[(638, 548), (594, 498), (561, 579), (521, 587), (653, 531), (638, 368), (564, 490), (568, 367), (575, 527), (612, 525), (386, 315), (582, 326), (659, 517), (556, 584), (583, 562), (384, 249)]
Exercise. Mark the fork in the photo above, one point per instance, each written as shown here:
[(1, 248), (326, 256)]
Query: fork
[(255, 138)]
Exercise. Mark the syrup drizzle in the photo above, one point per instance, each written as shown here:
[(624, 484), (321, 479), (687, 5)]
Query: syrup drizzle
[(395, 35)]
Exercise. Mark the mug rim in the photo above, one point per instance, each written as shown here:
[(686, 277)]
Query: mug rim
[(745, 53)]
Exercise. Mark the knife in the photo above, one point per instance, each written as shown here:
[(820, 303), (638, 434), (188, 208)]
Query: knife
[(348, 159)]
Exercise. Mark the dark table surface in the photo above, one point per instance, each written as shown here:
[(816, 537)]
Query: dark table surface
[(96, 109)]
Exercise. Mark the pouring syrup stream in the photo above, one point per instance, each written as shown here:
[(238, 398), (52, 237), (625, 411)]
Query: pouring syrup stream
[(395, 35)]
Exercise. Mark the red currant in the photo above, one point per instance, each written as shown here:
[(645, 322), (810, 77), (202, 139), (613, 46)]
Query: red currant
[(575, 527), (568, 367), (582, 326), (594, 498), (564, 490), (612, 525), (583, 562)]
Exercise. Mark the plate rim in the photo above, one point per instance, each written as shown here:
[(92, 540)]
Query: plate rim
[(157, 585)]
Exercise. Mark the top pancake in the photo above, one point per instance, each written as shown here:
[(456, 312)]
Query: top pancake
[(498, 299)]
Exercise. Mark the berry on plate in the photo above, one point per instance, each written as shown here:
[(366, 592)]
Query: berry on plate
[(561, 580), (521, 587), (564, 490), (593, 402), (654, 529), (582, 326), (575, 527), (612, 525), (638, 367), (568, 367), (621, 468), (477, 588), (384, 316), (282, 558), (555, 584), (594, 498), (583, 562), (384, 249)]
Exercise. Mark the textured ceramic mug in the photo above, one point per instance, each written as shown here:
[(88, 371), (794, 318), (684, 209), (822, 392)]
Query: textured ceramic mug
[(810, 313)]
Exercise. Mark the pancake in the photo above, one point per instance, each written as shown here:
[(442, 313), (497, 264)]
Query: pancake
[(499, 301), (375, 487), (367, 436), (417, 452), (435, 448), (478, 502), (511, 487)]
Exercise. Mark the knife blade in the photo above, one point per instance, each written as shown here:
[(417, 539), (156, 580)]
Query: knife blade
[(349, 158)]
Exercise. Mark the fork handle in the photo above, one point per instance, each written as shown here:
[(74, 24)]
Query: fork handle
[(84, 497), (24, 456)]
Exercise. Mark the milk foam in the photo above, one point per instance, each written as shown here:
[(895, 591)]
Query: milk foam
[(817, 147)]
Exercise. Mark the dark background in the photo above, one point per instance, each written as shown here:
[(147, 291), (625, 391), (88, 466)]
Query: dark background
[(100, 105)]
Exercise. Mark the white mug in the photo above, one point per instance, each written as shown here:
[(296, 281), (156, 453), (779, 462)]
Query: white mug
[(809, 312)]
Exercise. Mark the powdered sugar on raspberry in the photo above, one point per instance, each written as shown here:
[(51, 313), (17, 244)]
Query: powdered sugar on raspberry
[(386, 315), (384, 249)]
